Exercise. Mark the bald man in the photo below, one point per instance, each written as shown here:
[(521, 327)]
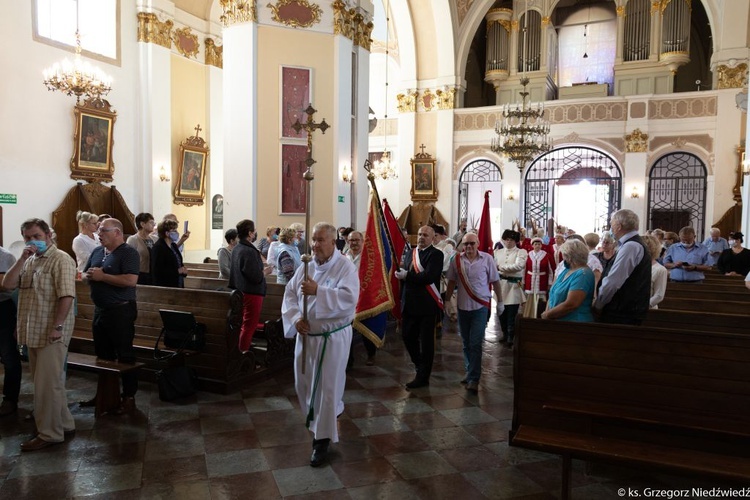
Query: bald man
[(421, 303)]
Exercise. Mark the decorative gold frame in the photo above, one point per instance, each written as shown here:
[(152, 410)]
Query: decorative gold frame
[(183, 38), (423, 177), (289, 19), (190, 183), (93, 141)]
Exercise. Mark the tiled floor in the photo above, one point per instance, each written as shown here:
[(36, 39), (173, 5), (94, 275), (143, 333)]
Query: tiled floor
[(435, 442)]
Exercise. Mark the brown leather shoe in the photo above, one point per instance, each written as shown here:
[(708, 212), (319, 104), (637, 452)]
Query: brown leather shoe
[(127, 406), (36, 444)]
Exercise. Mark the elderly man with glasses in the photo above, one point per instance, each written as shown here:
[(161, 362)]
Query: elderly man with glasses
[(112, 273)]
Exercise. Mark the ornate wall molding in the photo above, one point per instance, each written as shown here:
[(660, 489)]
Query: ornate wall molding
[(732, 78), (151, 30), (186, 42), (362, 32), (343, 20), (446, 97), (237, 11), (704, 141), (427, 100), (214, 53), (636, 142), (462, 8), (295, 13), (407, 103), (691, 107)]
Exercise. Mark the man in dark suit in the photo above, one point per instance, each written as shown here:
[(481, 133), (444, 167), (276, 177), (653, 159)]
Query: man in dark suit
[(421, 303)]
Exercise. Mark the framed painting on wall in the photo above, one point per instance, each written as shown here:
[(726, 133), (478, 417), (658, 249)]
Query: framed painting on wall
[(92, 141), (296, 95), (293, 189), (423, 178), (190, 186)]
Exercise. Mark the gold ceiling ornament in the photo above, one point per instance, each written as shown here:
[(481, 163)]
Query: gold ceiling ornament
[(151, 30), (363, 31), (186, 42), (732, 78), (237, 11), (523, 133), (295, 13), (636, 142), (214, 53), (77, 77)]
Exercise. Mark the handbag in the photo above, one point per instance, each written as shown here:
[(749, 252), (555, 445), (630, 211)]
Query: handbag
[(176, 382)]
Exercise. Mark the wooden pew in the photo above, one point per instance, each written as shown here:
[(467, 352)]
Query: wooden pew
[(707, 287), (636, 396), (694, 304), (108, 387), (202, 273), (699, 321), (220, 367), (210, 266), (268, 341), (214, 283), (696, 292)]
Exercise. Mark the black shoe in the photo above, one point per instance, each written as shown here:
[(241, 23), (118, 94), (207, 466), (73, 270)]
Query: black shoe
[(418, 382), (320, 452)]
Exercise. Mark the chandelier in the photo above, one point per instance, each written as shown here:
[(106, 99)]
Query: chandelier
[(237, 11), (385, 167), (523, 133), (78, 77)]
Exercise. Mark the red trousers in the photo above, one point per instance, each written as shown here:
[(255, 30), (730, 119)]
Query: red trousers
[(251, 305)]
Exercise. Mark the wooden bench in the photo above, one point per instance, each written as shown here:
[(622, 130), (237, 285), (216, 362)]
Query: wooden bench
[(699, 321), (697, 304), (213, 283), (108, 386), (695, 292), (202, 273), (635, 396), (220, 367), (268, 341)]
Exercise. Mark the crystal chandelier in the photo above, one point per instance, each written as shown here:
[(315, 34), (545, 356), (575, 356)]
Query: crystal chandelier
[(237, 11), (385, 168), (523, 133), (78, 77)]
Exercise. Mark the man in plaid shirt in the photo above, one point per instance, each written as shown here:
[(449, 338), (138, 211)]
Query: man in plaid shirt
[(45, 277)]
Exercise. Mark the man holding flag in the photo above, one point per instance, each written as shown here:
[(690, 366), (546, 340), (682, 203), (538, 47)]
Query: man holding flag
[(421, 303), (475, 273)]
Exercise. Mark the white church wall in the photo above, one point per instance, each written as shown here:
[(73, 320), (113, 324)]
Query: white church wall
[(36, 135)]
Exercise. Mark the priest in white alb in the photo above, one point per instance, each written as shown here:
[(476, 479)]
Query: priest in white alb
[(332, 291)]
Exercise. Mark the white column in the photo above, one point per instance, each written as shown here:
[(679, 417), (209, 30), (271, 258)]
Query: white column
[(342, 141), (444, 167), (407, 130), (240, 122), (360, 188), (155, 130), (215, 129)]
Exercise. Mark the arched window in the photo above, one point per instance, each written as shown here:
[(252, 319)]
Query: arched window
[(478, 176), (577, 186), (677, 193)]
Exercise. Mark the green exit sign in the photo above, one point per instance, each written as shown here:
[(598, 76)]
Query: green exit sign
[(341, 199), (12, 199)]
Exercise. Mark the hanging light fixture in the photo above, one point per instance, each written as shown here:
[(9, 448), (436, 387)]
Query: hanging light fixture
[(385, 167), (523, 133), (79, 77), (585, 41)]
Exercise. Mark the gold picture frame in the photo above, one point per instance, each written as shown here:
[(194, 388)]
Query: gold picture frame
[(190, 184), (93, 141), (423, 178)]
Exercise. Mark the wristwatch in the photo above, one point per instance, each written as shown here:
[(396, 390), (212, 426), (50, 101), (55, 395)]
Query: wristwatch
[(59, 328)]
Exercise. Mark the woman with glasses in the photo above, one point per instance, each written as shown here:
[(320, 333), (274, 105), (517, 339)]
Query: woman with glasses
[(607, 254)]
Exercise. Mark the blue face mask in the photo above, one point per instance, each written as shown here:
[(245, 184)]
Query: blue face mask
[(275, 237), (296, 243), (39, 244)]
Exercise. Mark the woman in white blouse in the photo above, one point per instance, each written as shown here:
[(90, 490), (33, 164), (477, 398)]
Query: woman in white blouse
[(87, 240), (659, 273)]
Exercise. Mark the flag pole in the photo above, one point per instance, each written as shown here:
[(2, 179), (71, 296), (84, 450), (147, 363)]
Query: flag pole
[(371, 178)]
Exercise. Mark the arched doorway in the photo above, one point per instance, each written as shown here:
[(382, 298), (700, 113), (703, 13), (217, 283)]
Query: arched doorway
[(476, 178), (677, 193), (578, 187)]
